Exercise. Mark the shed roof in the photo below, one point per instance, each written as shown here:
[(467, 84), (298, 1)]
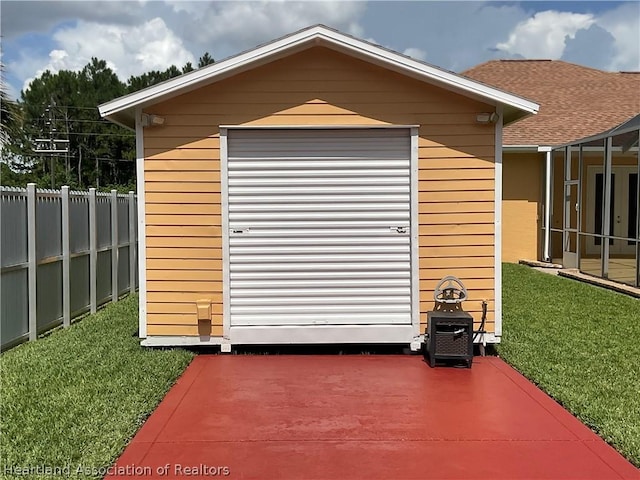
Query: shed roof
[(575, 101), (122, 110)]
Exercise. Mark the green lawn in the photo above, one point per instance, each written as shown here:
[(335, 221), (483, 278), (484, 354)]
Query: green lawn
[(580, 344), (76, 397)]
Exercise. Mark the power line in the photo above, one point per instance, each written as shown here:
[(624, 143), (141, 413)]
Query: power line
[(74, 107), (86, 134), (83, 120)]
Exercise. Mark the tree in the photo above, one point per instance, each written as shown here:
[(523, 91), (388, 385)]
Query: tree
[(151, 78), (113, 146), (9, 112), (205, 60), (12, 165), (188, 67), (63, 106)]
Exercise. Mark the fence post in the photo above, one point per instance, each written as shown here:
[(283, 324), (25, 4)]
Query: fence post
[(66, 258), (93, 251), (114, 245), (33, 264), (132, 242)]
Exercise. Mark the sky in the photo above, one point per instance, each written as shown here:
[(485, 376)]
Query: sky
[(136, 36)]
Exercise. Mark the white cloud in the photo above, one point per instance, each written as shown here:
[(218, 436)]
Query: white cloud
[(230, 27), (623, 23), (544, 34), (416, 53), (593, 46), (454, 35), (135, 36), (128, 51), (155, 35)]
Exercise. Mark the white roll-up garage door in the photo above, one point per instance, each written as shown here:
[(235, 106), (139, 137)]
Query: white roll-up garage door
[(319, 227)]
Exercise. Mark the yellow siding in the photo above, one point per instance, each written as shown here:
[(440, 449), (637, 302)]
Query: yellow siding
[(521, 208), (315, 87)]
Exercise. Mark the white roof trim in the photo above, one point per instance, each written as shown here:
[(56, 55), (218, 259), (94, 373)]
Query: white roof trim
[(520, 148), (315, 35)]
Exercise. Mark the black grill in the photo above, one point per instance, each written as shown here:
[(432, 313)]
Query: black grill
[(449, 337)]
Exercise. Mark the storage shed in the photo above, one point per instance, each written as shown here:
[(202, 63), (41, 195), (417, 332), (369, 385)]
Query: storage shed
[(315, 190)]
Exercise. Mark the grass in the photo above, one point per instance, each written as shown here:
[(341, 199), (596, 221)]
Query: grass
[(581, 345), (76, 397)]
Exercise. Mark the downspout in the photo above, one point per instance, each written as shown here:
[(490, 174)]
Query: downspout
[(547, 203)]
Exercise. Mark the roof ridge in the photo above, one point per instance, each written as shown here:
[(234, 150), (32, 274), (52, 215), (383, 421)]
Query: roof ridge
[(541, 60), (526, 60)]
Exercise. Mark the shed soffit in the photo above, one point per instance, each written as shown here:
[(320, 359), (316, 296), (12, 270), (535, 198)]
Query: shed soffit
[(122, 110)]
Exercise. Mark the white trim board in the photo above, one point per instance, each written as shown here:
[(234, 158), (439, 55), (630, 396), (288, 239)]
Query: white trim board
[(121, 110), (224, 195), (363, 126), (181, 341), (498, 226), (412, 313), (184, 341), (415, 229), (142, 234)]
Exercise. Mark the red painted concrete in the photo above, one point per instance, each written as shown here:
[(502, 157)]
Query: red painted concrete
[(364, 417)]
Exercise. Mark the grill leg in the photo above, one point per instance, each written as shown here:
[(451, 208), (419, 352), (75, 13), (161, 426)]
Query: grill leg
[(432, 361)]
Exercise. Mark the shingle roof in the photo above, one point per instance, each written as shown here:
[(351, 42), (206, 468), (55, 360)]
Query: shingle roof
[(575, 101)]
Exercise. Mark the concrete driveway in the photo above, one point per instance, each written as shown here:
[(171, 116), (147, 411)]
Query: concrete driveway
[(362, 417)]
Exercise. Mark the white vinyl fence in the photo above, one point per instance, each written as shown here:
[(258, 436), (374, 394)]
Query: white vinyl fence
[(62, 254)]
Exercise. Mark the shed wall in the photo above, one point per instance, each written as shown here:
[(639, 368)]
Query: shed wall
[(314, 87)]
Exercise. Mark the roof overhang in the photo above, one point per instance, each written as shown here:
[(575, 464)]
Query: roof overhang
[(521, 148), (122, 110)]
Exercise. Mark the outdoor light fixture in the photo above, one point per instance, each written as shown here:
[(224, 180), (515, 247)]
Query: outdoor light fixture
[(150, 120), (486, 118)]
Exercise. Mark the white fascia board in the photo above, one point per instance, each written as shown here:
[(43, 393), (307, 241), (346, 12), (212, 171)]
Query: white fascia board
[(408, 64), (520, 148), (318, 35), (194, 78)]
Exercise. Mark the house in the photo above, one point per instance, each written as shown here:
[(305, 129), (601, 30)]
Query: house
[(559, 158), (315, 190)]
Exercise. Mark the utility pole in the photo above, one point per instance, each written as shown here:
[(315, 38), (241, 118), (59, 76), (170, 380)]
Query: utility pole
[(80, 165), (67, 160), (52, 145)]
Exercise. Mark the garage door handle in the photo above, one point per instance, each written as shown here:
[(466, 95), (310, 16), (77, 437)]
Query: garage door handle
[(399, 229), (240, 230)]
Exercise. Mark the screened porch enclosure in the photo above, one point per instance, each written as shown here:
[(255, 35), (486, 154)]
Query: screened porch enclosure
[(593, 192)]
